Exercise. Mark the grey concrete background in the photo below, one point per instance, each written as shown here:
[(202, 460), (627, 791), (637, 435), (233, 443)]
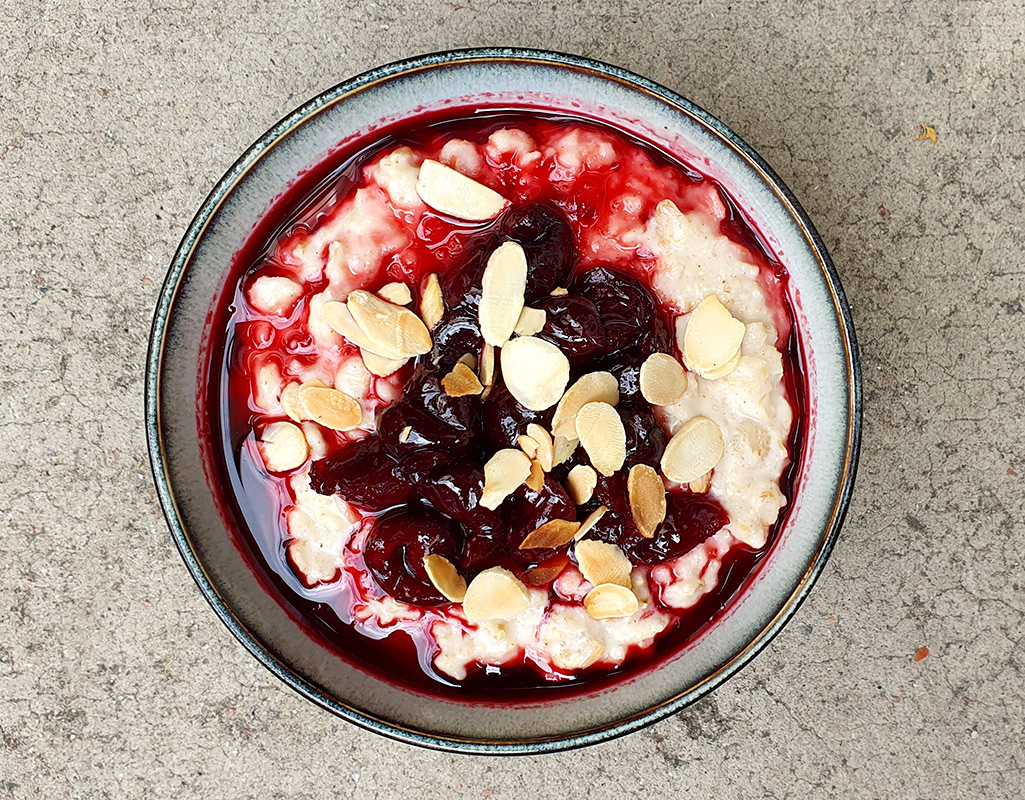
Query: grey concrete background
[(116, 680)]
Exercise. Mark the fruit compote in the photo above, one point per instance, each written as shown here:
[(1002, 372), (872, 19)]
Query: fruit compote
[(506, 400)]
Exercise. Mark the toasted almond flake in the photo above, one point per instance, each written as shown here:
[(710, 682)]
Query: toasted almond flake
[(469, 359), (445, 577), (647, 498), (432, 302), (331, 408), (487, 364), (379, 365), (602, 435), (535, 371), (452, 193), (663, 379), (590, 388), (531, 321), (590, 521), (495, 594), (291, 399), (559, 291), (396, 292), (563, 448), (393, 331), (600, 562), (547, 572), (504, 473), (694, 450), (528, 444), (545, 446), (283, 447), (712, 336), (340, 320), (725, 369), (461, 382), (536, 480), (702, 484), (404, 435), (580, 483), (554, 533), (501, 295), (610, 601)]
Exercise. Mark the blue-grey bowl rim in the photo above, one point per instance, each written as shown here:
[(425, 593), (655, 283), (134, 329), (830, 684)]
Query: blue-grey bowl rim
[(154, 355)]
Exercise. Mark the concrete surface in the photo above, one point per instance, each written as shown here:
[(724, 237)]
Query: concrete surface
[(116, 679)]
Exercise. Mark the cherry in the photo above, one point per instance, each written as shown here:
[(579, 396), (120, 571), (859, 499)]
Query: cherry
[(395, 548), (626, 307), (458, 333), (645, 438), (532, 509), (690, 519), (547, 240), (435, 420), (503, 419), (572, 324)]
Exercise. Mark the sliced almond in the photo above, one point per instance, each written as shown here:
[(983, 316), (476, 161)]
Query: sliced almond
[(559, 291), (501, 296), (404, 434), (694, 450), (712, 336), (590, 521), (663, 379), (702, 484), (535, 371), (397, 293), (563, 448), (600, 562), (461, 382), (469, 359), (528, 444), (340, 320), (531, 321), (554, 533), (545, 446), (495, 594), (291, 401), (547, 572), (504, 473), (536, 480), (393, 331), (610, 601), (379, 365), (580, 483), (725, 369), (487, 365), (432, 302), (602, 435), (445, 577), (590, 388), (283, 447), (452, 193), (647, 498), (331, 408)]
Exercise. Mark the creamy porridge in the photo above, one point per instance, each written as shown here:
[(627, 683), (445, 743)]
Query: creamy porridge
[(516, 392)]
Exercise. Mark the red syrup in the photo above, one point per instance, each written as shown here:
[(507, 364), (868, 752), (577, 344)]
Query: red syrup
[(253, 500)]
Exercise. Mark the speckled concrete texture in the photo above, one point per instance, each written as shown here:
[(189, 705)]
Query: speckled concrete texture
[(116, 679)]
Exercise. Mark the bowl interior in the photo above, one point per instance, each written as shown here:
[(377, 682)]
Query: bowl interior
[(220, 562)]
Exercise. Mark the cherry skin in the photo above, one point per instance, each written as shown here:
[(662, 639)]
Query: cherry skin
[(547, 241), (395, 548), (572, 324)]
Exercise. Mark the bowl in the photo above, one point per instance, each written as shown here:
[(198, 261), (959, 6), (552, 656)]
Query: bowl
[(223, 565)]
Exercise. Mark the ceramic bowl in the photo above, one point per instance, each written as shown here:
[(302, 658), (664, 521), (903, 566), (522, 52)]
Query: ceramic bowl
[(220, 562)]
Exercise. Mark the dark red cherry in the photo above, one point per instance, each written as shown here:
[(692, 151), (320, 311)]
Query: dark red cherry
[(530, 510), (645, 437), (503, 419), (458, 333), (572, 324), (626, 307), (361, 474), (547, 241), (690, 519), (395, 548), (434, 419)]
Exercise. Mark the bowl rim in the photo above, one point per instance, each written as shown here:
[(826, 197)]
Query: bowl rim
[(281, 130)]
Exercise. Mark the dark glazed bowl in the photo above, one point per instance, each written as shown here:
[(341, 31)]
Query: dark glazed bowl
[(220, 563)]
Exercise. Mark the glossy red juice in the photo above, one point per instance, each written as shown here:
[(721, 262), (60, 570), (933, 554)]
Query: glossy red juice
[(254, 501)]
